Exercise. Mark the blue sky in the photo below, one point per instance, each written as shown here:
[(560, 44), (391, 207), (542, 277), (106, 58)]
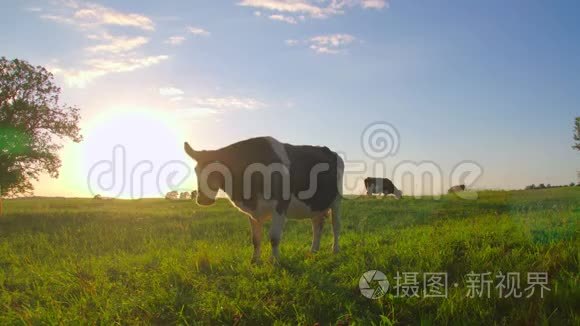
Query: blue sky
[(494, 82)]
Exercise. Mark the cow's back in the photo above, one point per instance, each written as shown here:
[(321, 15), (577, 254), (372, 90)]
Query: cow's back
[(379, 185), (299, 160), (320, 164)]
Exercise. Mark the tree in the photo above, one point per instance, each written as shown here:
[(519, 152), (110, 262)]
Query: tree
[(33, 125), (576, 146)]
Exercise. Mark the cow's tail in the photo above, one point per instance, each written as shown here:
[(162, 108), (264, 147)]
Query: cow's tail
[(190, 151), (339, 174)]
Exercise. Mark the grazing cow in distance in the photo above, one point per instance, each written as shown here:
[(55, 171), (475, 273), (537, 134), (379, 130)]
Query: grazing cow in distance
[(265, 179), (382, 186), (194, 195), (172, 195), (455, 189)]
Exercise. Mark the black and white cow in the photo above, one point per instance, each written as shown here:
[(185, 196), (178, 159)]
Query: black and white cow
[(382, 186), (454, 189), (265, 179)]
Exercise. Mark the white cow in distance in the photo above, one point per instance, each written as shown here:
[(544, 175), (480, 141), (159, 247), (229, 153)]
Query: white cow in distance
[(172, 195)]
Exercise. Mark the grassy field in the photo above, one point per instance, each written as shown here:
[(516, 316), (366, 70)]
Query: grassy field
[(158, 261)]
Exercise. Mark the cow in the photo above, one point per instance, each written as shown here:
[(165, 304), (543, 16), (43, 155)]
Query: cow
[(382, 186), (267, 179), (455, 189), (172, 195)]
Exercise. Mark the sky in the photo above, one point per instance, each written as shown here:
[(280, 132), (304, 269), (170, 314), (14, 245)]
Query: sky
[(488, 87)]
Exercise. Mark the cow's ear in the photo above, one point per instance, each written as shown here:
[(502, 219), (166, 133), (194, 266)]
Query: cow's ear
[(196, 155)]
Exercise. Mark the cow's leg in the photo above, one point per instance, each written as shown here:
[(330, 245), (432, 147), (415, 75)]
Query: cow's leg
[(336, 224), (276, 234), (256, 239), (317, 225)]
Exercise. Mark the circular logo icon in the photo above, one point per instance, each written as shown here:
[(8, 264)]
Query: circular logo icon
[(380, 140), (373, 284)]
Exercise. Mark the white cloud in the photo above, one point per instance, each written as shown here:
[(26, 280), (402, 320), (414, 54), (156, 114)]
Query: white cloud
[(198, 31), (211, 105), (59, 19), (95, 68), (366, 4), (170, 91), (334, 40), (330, 44), (290, 6), (110, 53), (197, 112), (125, 64), (312, 8), (291, 42), (323, 49), (33, 9), (175, 40), (203, 107), (282, 18), (230, 102), (326, 44), (101, 15), (116, 44), (87, 14), (375, 4), (77, 78)]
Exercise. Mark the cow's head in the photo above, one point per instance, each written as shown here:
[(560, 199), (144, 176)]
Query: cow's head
[(398, 193), (208, 182)]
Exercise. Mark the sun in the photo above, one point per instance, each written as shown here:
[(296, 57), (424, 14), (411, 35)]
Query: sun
[(131, 152)]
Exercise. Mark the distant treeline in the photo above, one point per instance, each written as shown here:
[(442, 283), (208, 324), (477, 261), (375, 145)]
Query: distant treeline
[(543, 186)]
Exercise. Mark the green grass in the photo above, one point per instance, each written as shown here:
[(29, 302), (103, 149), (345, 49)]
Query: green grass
[(157, 261)]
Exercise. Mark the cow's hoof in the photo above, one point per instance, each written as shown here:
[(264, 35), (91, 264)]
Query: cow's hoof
[(256, 261), (274, 260)]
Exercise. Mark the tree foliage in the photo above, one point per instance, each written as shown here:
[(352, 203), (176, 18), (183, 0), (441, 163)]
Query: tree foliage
[(33, 125), (577, 134)]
